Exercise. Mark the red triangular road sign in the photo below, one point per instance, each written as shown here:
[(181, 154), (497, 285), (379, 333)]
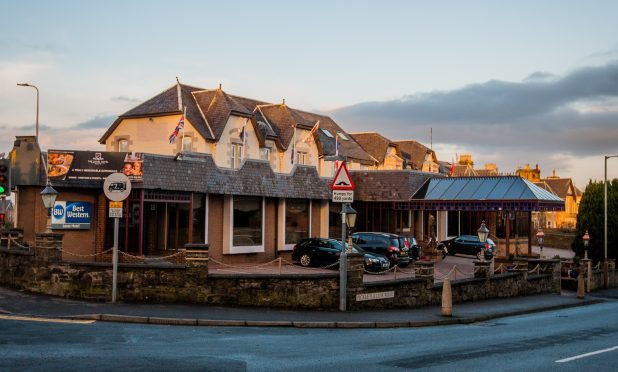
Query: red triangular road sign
[(342, 180)]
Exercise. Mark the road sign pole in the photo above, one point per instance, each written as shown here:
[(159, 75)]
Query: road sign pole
[(115, 260), (343, 265)]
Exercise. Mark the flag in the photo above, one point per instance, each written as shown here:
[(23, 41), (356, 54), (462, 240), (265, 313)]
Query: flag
[(243, 133), (179, 127), (452, 167), (337, 145)]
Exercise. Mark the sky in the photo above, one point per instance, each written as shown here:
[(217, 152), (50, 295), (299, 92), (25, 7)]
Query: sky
[(510, 82)]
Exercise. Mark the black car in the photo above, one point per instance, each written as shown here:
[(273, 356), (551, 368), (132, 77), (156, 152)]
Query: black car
[(391, 246), (468, 244), (322, 251)]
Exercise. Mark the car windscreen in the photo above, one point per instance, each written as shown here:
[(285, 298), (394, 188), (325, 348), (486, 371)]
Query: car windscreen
[(395, 243)]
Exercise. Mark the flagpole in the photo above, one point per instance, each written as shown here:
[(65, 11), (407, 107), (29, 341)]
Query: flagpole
[(184, 117)]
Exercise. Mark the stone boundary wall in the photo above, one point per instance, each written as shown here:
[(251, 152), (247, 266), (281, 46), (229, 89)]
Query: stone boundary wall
[(43, 271)]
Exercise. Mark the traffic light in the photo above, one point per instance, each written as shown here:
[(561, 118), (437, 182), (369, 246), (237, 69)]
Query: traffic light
[(5, 177)]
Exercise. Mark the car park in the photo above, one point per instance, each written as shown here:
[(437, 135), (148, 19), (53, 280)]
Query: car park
[(392, 246), (323, 251), (468, 244)]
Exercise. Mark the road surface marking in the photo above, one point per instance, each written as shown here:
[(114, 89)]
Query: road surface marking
[(586, 355), (46, 320)]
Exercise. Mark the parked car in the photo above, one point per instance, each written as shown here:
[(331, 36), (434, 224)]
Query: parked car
[(391, 246), (322, 251), (468, 244), (414, 250)]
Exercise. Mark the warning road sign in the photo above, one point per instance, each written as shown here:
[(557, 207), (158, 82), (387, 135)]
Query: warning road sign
[(342, 180)]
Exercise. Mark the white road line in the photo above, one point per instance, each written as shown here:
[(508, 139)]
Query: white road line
[(586, 355), (46, 320)]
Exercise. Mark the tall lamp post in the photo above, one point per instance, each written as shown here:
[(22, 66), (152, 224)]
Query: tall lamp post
[(483, 232), (605, 207), (586, 239), (37, 107), (348, 217), (539, 239)]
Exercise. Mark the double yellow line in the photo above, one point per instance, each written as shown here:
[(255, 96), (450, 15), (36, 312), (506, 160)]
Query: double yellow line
[(46, 320)]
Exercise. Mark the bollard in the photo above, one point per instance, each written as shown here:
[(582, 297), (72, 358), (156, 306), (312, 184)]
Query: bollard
[(580, 285), (447, 298), (279, 265)]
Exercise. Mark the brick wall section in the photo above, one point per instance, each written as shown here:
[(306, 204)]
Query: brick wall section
[(32, 215)]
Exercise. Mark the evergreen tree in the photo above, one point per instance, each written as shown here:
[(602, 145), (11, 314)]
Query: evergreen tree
[(591, 218)]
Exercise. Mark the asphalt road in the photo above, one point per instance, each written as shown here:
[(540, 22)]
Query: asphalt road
[(523, 343)]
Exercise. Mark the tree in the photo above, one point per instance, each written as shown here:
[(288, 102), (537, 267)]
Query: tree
[(591, 218)]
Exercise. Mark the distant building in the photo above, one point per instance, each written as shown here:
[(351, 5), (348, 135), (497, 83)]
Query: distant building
[(418, 156), (385, 152)]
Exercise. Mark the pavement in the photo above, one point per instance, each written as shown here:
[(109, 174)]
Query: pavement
[(20, 303)]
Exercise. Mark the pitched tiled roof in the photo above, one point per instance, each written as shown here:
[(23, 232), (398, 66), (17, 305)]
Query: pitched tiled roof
[(374, 144), (199, 173), (414, 152), (559, 185), (388, 185), (166, 103), (545, 186), (217, 106)]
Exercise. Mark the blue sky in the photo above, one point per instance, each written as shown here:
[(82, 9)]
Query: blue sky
[(399, 67)]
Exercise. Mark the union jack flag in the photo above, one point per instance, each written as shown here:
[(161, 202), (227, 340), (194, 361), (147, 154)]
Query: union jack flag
[(179, 127)]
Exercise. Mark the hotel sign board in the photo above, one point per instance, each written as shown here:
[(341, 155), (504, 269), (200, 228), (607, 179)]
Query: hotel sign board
[(68, 215), (69, 165)]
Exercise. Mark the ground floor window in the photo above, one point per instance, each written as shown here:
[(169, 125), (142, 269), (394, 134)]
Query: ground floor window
[(247, 221), (334, 220), (296, 220)]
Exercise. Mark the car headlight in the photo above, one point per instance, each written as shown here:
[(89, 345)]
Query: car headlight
[(370, 260)]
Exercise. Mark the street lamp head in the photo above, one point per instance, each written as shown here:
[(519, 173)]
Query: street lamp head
[(49, 196), (23, 84), (483, 232), (350, 215), (586, 239)]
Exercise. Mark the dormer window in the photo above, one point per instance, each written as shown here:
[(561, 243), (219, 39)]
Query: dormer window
[(265, 153), (342, 136), (123, 145)]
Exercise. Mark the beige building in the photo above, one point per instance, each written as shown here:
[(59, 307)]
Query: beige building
[(386, 153)]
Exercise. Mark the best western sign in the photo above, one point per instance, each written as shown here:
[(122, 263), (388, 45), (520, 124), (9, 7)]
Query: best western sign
[(67, 215)]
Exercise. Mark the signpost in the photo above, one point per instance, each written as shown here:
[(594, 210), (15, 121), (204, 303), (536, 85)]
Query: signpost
[(343, 192), (117, 188)]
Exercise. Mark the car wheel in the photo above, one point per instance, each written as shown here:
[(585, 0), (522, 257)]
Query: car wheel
[(305, 260)]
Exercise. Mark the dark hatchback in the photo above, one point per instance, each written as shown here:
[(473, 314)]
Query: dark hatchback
[(468, 244), (322, 251), (391, 246)]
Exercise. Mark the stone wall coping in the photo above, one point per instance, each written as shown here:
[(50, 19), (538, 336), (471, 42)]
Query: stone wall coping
[(385, 283), (538, 276), (19, 252), (275, 276)]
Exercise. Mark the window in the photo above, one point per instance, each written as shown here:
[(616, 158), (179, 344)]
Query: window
[(265, 153), (302, 157), (296, 220), (186, 144), (247, 221), (236, 155), (342, 136), (334, 220), (452, 223), (328, 134), (123, 145)]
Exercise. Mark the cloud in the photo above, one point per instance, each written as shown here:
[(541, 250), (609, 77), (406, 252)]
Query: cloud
[(574, 115), (99, 121), (125, 99)]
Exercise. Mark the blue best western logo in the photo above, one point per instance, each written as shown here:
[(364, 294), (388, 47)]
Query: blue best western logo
[(67, 215)]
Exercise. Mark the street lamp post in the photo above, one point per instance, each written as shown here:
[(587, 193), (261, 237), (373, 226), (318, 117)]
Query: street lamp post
[(605, 207), (586, 239), (348, 217), (37, 108), (539, 239), (483, 232)]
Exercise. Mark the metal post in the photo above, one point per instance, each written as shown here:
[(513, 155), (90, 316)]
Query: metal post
[(343, 264), (115, 260), (605, 213)]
